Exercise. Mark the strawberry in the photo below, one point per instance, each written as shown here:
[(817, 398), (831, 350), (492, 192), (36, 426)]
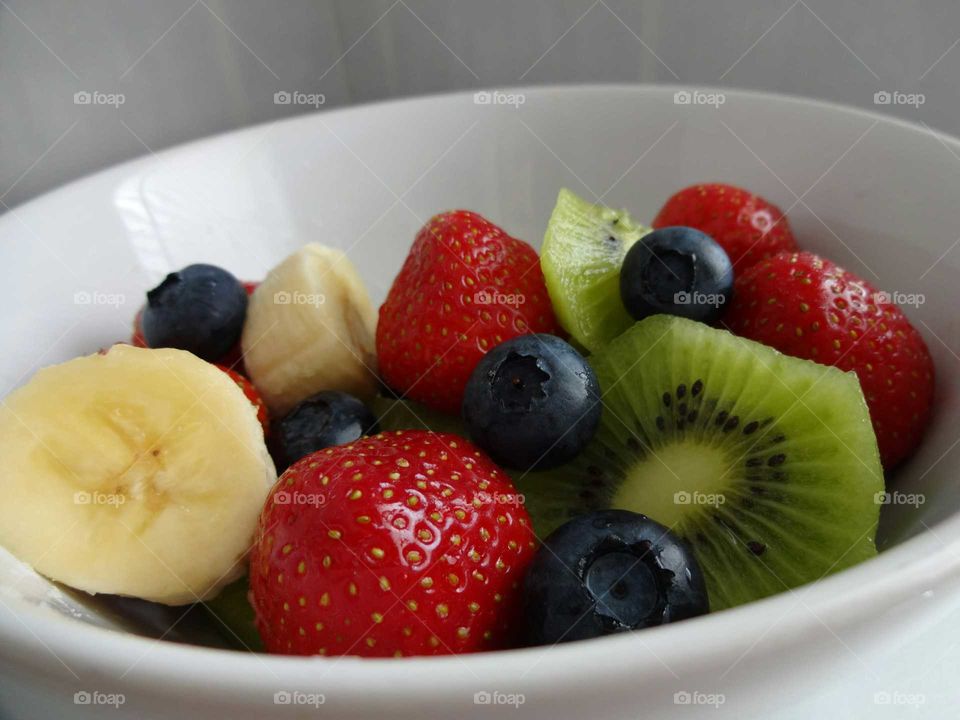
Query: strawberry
[(745, 225), (465, 287), (404, 543), (137, 339), (806, 306), (252, 395), (233, 358)]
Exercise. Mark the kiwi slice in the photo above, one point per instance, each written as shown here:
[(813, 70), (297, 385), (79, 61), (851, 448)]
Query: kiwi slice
[(233, 616), (582, 252), (766, 464)]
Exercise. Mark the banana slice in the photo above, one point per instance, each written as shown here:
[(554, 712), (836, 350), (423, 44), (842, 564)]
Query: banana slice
[(310, 327), (136, 472)]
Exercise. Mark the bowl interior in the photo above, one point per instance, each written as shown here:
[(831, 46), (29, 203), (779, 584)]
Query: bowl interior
[(875, 195)]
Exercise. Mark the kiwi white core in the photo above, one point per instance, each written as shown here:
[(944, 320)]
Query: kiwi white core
[(665, 484)]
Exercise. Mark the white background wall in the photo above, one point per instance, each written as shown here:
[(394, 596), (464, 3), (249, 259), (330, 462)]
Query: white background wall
[(189, 68)]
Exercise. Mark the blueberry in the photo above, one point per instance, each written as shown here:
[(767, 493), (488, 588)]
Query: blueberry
[(608, 572), (323, 420), (532, 402), (200, 308), (676, 271)]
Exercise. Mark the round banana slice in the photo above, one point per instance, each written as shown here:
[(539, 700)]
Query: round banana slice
[(310, 327), (134, 472)]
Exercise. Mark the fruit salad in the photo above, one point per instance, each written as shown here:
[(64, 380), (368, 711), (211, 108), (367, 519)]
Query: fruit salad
[(636, 426)]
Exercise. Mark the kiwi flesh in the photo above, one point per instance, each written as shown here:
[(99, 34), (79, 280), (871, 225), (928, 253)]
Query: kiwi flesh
[(582, 252), (233, 615), (766, 464)]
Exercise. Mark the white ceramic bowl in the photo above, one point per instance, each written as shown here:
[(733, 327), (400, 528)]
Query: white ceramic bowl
[(877, 195)]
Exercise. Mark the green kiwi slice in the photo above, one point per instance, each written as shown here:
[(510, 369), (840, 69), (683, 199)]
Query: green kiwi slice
[(233, 616), (766, 464), (581, 256)]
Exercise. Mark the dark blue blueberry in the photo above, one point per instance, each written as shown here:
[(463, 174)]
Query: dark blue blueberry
[(676, 271), (532, 402), (608, 572), (323, 420), (200, 308)]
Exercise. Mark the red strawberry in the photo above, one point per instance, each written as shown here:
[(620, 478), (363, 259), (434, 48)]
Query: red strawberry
[(404, 543), (806, 306), (745, 225), (465, 287), (138, 340), (233, 358), (252, 395)]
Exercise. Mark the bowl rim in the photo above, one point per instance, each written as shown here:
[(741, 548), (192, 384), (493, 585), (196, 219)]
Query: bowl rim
[(902, 572)]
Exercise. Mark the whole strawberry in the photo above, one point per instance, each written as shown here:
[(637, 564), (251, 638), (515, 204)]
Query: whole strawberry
[(404, 543), (465, 287), (745, 225), (252, 395), (232, 359), (806, 306)]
